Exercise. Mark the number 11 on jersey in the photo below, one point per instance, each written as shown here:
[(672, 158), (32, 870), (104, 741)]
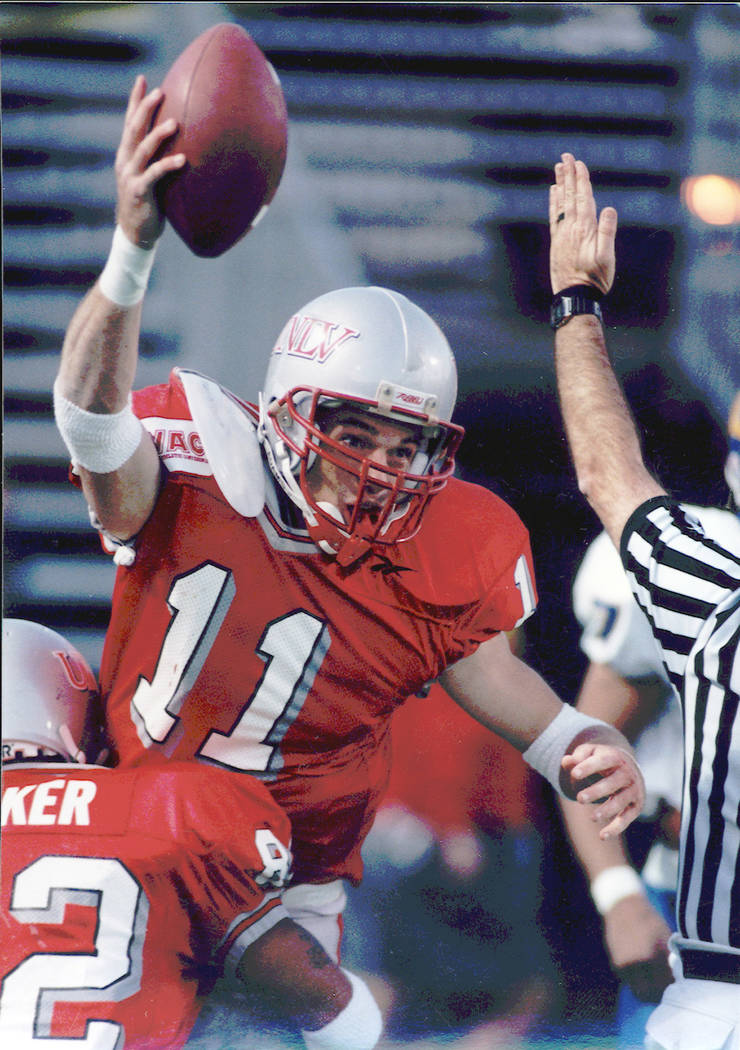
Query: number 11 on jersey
[(293, 648)]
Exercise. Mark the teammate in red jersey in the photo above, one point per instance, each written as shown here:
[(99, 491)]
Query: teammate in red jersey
[(290, 573), (125, 892)]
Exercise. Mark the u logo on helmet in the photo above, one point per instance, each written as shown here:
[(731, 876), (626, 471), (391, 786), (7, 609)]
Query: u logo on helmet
[(77, 671), (312, 339)]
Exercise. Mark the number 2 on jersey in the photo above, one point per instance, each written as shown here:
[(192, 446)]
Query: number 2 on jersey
[(293, 648), (111, 973)]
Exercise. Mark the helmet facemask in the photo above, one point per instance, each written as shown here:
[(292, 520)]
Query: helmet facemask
[(376, 352), (386, 501)]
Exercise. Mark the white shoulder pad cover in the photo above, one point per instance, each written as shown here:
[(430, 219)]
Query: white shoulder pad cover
[(229, 441), (722, 526), (615, 631)]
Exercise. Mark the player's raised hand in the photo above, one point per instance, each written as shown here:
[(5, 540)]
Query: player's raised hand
[(615, 787), (581, 244), (137, 212)]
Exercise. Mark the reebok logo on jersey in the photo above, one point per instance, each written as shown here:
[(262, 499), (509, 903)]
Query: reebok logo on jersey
[(51, 802), (386, 567), (313, 339)]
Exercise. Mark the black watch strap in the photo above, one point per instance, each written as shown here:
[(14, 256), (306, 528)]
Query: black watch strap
[(580, 299)]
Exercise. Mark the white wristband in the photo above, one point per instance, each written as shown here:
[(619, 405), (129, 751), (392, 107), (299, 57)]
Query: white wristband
[(613, 884), (125, 275), (99, 442), (545, 753)]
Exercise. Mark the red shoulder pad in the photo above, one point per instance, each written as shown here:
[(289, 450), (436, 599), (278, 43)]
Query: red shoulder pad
[(472, 550), (166, 399)]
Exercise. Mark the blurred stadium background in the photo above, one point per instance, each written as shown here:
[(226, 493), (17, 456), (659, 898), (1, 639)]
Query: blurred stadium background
[(422, 141)]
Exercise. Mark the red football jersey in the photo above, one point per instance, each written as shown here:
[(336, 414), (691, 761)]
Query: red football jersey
[(120, 888), (236, 641)]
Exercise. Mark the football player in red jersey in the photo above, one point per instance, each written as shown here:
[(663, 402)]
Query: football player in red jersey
[(289, 573), (123, 889)]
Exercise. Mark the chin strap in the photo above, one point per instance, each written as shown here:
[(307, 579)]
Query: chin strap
[(352, 550), (71, 744), (278, 460), (348, 549)]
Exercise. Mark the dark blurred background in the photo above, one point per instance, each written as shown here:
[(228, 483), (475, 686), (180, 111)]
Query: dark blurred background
[(422, 142)]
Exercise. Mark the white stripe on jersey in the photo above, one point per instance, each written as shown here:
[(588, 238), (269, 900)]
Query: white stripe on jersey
[(689, 587), (713, 710), (716, 816), (680, 586)]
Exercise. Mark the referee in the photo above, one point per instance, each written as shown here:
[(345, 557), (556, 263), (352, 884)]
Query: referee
[(689, 588)]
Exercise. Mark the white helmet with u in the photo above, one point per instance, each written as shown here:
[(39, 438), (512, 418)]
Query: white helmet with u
[(48, 695)]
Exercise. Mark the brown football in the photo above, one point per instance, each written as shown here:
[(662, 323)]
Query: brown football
[(232, 128)]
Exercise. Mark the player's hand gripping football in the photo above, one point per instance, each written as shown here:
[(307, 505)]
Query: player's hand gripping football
[(581, 245), (137, 212), (609, 779)]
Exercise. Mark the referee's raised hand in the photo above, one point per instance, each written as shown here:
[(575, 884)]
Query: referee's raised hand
[(582, 242)]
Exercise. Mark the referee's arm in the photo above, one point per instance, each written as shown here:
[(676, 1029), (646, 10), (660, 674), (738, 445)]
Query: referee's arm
[(603, 439)]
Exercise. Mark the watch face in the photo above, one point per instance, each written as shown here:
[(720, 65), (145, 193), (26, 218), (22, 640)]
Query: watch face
[(567, 306), (558, 312)]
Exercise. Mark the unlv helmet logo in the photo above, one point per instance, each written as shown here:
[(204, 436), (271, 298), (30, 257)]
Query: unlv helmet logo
[(313, 339)]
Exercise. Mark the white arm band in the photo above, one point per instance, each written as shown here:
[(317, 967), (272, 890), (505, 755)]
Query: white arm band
[(357, 1027), (126, 273), (99, 442), (546, 752), (614, 884)]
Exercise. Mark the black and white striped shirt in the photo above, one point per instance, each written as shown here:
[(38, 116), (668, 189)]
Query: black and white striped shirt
[(689, 587)]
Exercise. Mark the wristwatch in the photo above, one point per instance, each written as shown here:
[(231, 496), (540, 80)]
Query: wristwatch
[(581, 299)]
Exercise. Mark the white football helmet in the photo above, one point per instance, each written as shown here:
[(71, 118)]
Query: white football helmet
[(47, 697), (377, 351)]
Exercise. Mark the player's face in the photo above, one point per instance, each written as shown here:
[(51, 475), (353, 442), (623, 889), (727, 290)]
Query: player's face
[(383, 442)]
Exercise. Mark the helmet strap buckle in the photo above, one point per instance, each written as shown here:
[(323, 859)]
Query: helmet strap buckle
[(354, 548)]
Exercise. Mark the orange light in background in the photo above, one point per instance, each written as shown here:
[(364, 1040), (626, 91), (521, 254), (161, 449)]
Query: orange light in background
[(714, 199)]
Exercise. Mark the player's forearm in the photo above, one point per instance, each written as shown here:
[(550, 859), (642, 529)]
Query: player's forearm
[(593, 853), (502, 693), (115, 457), (603, 440), (607, 695), (100, 353), (573, 752)]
